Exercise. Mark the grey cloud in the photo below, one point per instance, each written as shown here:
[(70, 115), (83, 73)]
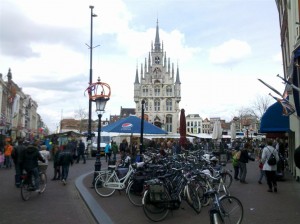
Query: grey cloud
[(18, 33), (70, 84)]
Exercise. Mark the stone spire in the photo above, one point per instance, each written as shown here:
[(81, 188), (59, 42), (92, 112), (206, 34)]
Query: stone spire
[(157, 41), (177, 76), (136, 76)]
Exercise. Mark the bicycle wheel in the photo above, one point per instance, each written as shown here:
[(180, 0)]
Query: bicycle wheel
[(26, 190), (204, 199), (227, 179), (231, 210), (43, 182), (193, 198), (100, 185), (135, 196), (155, 211)]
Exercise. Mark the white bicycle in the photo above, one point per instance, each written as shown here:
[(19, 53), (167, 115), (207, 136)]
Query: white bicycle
[(107, 182)]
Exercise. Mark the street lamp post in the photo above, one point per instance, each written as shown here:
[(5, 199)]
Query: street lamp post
[(99, 93), (89, 137)]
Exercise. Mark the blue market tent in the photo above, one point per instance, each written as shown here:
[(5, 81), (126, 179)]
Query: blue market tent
[(132, 125)]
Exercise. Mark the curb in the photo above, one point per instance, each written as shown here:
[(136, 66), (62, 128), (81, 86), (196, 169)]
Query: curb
[(96, 210)]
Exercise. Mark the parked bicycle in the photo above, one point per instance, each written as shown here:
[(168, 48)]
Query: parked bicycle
[(166, 193), (225, 209), (28, 185), (107, 182)]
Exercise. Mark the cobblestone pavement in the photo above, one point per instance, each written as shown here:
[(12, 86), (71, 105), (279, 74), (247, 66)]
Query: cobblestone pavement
[(260, 206), (58, 204), (77, 202)]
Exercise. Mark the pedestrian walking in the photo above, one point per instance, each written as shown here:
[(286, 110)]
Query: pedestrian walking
[(16, 156), (262, 172), (114, 149), (7, 154), (107, 151), (56, 165), (65, 160), (244, 158), (80, 151), (123, 146), (270, 170), (235, 163)]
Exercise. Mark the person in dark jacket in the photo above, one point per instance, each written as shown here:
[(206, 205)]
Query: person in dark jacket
[(56, 165), (80, 151), (16, 156), (65, 160), (29, 162), (244, 158)]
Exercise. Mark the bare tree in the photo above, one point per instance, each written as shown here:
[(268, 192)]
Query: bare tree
[(81, 115), (259, 106)]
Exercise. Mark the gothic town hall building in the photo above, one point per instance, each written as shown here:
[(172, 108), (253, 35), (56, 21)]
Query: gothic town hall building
[(159, 87)]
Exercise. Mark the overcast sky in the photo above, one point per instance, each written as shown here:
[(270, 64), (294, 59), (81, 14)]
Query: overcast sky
[(221, 47)]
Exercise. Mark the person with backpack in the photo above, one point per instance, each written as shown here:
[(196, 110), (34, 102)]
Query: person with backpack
[(270, 169)]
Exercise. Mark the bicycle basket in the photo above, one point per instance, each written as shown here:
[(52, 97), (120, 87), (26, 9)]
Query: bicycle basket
[(156, 192)]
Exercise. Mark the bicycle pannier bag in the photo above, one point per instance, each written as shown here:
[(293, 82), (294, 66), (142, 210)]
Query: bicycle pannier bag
[(156, 192)]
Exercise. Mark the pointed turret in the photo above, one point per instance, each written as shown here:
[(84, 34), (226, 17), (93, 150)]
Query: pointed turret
[(172, 70), (141, 71), (136, 76), (177, 76), (145, 65), (157, 42), (165, 60)]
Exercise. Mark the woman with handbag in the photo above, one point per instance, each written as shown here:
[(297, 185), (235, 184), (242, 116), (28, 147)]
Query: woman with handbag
[(270, 170)]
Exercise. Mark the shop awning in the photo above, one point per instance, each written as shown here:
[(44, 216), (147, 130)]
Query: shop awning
[(273, 121)]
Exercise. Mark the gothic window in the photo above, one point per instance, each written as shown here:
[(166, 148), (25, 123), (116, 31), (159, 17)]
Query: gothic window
[(169, 123), (156, 91), (169, 105), (156, 105), (146, 105), (145, 91), (157, 60), (169, 91)]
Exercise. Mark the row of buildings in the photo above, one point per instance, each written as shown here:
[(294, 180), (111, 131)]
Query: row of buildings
[(289, 22), (19, 117)]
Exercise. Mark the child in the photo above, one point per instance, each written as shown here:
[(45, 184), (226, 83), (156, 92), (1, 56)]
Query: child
[(262, 173)]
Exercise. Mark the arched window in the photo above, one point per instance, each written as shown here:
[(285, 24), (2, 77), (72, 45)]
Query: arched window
[(169, 123), (156, 105), (169, 105)]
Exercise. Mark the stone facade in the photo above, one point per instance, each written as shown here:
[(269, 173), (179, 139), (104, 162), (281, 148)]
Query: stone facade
[(160, 88)]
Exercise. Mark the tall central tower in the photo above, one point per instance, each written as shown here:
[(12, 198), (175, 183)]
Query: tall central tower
[(159, 87)]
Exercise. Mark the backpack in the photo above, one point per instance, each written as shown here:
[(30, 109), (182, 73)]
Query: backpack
[(272, 160)]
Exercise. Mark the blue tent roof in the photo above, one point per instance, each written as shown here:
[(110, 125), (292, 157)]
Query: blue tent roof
[(274, 121), (132, 124)]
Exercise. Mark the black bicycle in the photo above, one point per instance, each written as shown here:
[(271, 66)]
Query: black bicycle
[(28, 185), (166, 193)]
